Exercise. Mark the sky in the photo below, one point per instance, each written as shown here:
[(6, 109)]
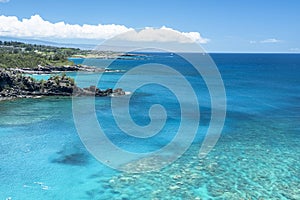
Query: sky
[(218, 26)]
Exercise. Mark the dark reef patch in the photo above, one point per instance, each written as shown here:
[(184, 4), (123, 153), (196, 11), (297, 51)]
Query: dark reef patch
[(71, 156)]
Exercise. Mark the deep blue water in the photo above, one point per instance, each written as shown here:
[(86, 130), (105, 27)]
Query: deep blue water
[(257, 156)]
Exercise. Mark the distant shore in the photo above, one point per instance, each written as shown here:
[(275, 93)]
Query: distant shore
[(111, 55)]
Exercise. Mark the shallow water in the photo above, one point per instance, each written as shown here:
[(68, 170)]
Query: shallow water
[(257, 156)]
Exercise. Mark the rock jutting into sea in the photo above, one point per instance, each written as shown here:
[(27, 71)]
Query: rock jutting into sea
[(56, 69), (15, 85)]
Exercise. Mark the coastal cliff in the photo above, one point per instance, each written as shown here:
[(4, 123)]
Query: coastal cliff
[(15, 85), (20, 59)]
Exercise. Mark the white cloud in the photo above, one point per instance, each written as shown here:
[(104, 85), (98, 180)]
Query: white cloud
[(36, 27), (294, 49), (271, 40), (4, 1), (162, 34), (193, 36)]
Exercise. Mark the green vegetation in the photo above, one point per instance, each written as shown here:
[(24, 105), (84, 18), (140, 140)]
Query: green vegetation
[(21, 55)]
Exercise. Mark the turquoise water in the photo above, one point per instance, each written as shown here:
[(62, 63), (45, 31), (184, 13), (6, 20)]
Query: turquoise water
[(257, 156)]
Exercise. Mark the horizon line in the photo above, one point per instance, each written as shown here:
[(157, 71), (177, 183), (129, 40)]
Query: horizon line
[(12, 39)]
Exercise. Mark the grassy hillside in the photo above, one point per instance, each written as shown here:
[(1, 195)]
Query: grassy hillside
[(21, 55)]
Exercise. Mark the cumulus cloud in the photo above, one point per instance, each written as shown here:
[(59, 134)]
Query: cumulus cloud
[(162, 34), (271, 40), (193, 36), (4, 1), (37, 27)]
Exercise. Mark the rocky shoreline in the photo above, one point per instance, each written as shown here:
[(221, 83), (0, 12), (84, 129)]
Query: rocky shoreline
[(14, 84), (57, 69)]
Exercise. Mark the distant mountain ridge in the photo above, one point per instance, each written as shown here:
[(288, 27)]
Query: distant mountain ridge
[(83, 46), (48, 43)]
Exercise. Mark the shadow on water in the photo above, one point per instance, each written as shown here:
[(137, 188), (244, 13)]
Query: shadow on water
[(71, 155)]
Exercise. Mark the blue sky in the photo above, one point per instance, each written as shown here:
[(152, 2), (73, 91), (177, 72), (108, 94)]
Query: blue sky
[(230, 26)]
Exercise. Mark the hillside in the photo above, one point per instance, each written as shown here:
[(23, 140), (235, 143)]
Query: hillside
[(22, 55)]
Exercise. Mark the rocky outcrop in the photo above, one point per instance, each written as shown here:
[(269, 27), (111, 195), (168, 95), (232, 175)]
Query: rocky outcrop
[(16, 85), (55, 69)]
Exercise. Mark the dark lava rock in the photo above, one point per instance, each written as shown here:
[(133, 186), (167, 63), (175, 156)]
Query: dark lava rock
[(16, 85)]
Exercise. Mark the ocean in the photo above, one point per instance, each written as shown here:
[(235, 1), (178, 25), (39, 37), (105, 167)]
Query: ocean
[(256, 156)]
